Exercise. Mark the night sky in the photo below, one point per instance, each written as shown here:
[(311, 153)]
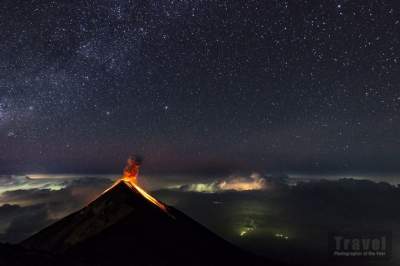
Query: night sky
[(200, 86)]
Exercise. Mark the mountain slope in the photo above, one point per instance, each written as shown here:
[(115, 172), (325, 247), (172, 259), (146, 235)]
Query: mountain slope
[(126, 224), (15, 255)]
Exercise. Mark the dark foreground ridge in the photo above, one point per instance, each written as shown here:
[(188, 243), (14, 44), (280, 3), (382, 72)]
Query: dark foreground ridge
[(124, 226)]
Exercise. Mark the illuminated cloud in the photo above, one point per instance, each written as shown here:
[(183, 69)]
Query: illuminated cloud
[(236, 183), (47, 182), (28, 204), (16, 182)]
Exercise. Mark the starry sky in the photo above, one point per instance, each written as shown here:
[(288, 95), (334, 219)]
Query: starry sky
[(200, 86)]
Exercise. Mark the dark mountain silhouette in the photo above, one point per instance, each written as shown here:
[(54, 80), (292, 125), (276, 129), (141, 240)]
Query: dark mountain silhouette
[(125, 224), (16, 255)]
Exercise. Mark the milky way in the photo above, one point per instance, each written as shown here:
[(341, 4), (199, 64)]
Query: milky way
[(202, 86)]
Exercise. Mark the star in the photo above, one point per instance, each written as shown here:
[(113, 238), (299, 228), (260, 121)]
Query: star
[(217, 79), (11, 134)]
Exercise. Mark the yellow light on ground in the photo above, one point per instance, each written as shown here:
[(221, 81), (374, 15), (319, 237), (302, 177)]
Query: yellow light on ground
[(281, 236), (245, 231)]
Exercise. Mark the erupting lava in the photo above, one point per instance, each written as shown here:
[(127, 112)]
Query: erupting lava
[(130, 175), (131, 170)]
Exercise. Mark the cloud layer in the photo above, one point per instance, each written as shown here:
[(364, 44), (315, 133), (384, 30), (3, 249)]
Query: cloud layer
[(236, 183), (28, 205), (263, 214)]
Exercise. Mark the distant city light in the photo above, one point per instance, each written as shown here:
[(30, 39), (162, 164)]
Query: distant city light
[(281, 236), (245, 231)]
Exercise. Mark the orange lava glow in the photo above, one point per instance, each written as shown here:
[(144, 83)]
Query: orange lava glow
[(130, 177), (131, 170), (146, 195)]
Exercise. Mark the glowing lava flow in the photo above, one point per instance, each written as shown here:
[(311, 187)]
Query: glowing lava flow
[(131, 172), (145, 194)]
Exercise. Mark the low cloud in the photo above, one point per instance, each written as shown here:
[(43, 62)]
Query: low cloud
[(274, 219), (262, 214), (23, 224), (235, 183), (15, 182), (17, 223), (28, 205)]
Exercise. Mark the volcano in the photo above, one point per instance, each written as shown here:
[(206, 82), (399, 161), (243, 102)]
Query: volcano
[(126, 224)]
